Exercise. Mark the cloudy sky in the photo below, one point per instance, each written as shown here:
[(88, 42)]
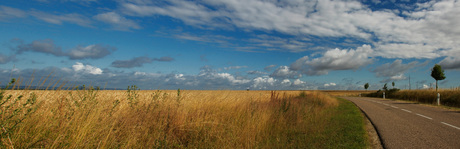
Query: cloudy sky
[(231, 44)]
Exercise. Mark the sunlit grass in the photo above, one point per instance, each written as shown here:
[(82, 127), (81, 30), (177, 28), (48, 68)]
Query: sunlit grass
[(179, 119)]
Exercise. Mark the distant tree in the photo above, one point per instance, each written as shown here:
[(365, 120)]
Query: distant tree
[(438, 74), (366, 86), (393, 84), (385, 88)]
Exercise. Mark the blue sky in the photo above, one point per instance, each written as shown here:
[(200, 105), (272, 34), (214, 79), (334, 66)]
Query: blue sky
[(231, 44)]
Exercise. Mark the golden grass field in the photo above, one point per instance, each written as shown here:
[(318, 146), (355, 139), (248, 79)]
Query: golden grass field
[(165, 119)]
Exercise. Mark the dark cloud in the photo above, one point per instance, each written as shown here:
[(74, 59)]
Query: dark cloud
[(90, 52), (450, 63), (394, 71), (285, 72), (164, 59), (47, 46), (139, 61), (134, 62)]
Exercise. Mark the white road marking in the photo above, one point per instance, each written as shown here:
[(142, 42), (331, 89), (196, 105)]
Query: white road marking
[(386, 104), (406, 110), (450, 125), (424, 116), (394, 107)]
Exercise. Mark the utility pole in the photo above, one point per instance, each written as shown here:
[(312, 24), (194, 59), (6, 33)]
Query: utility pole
[(409, 82)]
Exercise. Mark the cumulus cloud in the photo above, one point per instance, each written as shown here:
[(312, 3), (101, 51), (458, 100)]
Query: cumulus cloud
[(207, 79), (139, 61), (335, 59), (117, 21), (298, 82), (263, 82), (47, 46), (424, 31), (80, 67)]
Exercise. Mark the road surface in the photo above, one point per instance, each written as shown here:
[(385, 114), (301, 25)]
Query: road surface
[(410, 125)]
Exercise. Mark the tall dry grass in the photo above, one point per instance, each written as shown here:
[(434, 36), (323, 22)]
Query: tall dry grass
[(170, 119)]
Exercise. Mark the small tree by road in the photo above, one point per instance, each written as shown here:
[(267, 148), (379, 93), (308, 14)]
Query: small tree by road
[(366, 86), (385, 88), (438, 74)]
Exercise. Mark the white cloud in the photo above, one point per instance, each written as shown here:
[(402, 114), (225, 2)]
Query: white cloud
[(139, 73), (425, 86), (74, 18), (335, 59), (263, 82), (424, 32), (398, 77), (117, 21), (231, 78), (286, 82), (298, 82), (8, 12), (235, 67), (80, 67), (329, 84)]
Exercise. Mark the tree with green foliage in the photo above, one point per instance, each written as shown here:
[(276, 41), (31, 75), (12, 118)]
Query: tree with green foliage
[(393, 84), (366, 86), (438, 74)]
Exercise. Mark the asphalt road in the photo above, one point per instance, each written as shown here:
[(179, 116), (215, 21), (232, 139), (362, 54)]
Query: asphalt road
[(410, 125)]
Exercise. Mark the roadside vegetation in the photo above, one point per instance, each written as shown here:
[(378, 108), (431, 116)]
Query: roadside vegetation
[(86, 117), (449, 97)]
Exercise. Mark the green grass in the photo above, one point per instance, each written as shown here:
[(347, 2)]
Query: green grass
[(346, 127)]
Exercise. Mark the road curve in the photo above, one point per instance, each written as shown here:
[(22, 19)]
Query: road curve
[(410, 125)]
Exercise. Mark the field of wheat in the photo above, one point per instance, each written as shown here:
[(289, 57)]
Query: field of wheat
[(135, 118)]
